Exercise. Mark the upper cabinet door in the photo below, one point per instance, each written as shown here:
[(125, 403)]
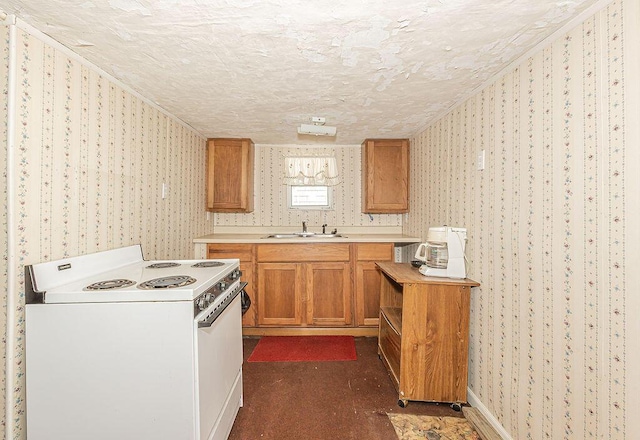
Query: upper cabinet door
[(385, 176), (230, 175)]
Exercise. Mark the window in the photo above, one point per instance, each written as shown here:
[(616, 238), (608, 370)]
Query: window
[(309, 197)]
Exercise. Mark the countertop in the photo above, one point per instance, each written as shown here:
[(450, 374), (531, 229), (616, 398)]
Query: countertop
[(405, 273), (346, 238)]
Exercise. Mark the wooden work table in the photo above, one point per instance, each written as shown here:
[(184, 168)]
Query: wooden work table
[(423, 337)]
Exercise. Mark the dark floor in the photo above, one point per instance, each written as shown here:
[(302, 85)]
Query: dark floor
[(322, 400)]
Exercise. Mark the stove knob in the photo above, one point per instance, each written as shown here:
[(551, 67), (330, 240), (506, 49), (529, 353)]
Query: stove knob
[(222, 285), (202, 303), (207, 297)]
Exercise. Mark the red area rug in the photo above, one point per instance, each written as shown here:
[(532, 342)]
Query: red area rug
[(304, 349)]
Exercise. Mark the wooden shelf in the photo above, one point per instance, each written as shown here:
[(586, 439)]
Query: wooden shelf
[(394, 316)]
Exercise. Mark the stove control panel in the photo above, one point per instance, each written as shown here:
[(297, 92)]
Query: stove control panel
[(219, 307), (218, 289)]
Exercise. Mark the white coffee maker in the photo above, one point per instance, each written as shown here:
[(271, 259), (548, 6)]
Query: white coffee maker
[(443, 253)]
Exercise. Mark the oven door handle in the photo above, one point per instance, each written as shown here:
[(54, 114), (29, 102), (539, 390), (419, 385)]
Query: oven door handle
[(210, 319)]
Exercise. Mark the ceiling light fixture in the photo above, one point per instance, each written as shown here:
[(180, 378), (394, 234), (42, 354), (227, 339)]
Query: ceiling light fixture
[(317, 128)]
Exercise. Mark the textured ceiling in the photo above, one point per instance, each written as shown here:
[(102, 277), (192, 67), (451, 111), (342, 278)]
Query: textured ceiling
[(259, 68)]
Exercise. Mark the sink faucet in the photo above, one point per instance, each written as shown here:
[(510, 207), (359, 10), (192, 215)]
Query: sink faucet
[(304, 226)]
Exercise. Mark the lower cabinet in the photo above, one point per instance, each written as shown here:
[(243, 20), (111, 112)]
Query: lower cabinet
[(312, 293), (323, 285), (250, 317), (245, 252)]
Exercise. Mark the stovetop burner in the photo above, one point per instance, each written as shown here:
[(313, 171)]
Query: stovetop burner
[(209, 264), (122, 275), (163, 265), (169, 282), (109, 284)]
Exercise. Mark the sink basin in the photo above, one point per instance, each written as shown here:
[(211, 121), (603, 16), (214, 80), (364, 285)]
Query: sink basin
[(282, 236), (304, 235)]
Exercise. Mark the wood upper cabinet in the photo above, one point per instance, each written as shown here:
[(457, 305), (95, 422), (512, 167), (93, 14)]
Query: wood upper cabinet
[(367, 282), (230, 175), (385, 175), (304, 285)]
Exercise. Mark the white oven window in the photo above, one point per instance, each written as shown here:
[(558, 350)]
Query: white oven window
[(309, 197)]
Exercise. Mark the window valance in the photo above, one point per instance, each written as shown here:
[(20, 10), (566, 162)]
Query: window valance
[(311, 171)]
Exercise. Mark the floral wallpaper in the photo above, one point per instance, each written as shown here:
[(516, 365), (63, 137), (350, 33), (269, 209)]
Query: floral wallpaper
[(270, 194), (4, 252), (90, 160), (549, 220)]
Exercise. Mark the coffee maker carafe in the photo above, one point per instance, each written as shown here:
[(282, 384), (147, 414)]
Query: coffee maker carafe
[(443, 253)]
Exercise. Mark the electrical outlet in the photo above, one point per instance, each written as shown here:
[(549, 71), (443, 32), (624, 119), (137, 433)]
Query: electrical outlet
[(397, 254)]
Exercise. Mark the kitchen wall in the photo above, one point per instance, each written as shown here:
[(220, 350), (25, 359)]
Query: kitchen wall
[(553, 225), (4, 48), (90, 157), (271, 195), (552, 220)]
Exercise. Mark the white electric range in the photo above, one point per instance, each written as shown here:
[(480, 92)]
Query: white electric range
[(122, 348)]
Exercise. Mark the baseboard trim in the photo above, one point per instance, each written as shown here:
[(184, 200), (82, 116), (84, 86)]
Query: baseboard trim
[(309, 331), (476, 403)]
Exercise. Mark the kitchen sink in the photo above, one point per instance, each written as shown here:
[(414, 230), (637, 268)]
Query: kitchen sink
[(304, 235)]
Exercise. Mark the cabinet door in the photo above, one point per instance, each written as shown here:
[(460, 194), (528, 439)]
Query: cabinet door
[(329, 294), (435, 342), (385, 176), (367, 280), (367, 293), (230, 175), (280, 287)]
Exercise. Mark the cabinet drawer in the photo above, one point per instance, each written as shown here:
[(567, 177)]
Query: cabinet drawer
[(242, 251), (390, 342), (374, 252), (303, 252)]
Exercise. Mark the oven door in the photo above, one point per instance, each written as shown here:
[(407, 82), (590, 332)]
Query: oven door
[(219, 372)]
